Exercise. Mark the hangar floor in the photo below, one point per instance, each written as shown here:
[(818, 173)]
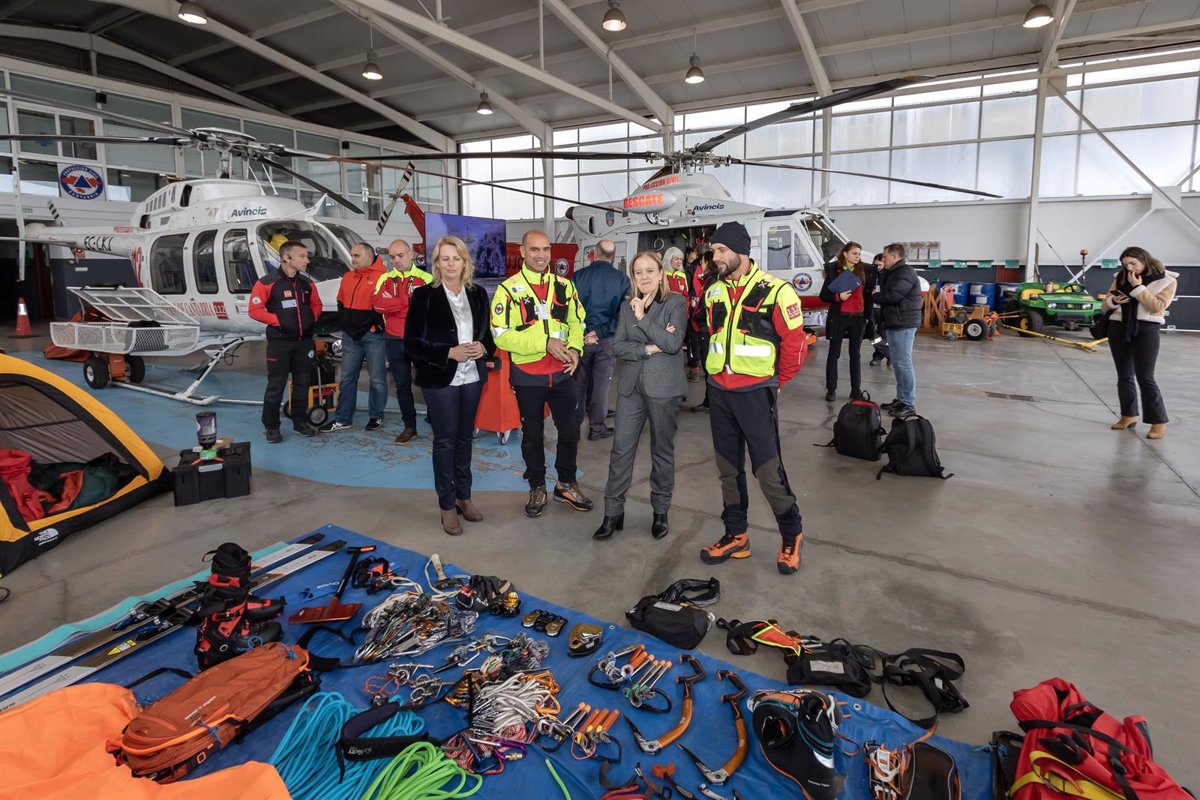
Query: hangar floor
[(1059, 547)]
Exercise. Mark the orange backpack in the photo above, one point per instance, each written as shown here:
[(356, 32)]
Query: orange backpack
[(174, 735)]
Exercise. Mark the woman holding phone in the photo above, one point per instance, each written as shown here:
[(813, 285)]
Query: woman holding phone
[(448, 338), (649, 343), (847, 317), (1138, 300)]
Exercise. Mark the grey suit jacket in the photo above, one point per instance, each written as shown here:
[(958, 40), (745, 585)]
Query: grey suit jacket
[(663, 374)]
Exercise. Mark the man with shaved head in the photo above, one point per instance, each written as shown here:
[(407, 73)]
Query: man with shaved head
[(392, 291), (602, 288), (537, 318), (362, 340)]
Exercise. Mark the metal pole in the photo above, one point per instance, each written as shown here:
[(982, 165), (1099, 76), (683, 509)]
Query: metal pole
[(826, 147), (1039, 124)]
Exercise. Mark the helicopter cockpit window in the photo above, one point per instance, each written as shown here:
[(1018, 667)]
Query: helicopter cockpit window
[(802, 258), (344, 235), (779, 248), (204, 262), (239, 266), (325, 262), (827, 242), (166, 264)]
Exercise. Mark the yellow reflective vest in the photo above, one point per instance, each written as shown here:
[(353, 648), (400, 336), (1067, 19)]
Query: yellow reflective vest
[(522, 324), (744, 340)]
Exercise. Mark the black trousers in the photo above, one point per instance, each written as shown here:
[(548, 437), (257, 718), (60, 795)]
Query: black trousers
[(452, 414), (839, 327), (750, 420), (287, 357), (565, 409), (1135, 362)]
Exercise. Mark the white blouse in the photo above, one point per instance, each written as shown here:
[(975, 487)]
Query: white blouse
[(467, 371)]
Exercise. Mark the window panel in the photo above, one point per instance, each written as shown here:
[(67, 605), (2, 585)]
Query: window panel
[(1005, 168), (1008, 116), (780, 188), (609, 188), (240, 274), (1009, 87), (78, 126), (5, 147), (204, 262), (1141, 104), (145, 156), (1059, 118), (1058, 166), (477, 201), (1141, 71), (597, 133), (1165, 154), (51, 90), (506, 169), (861, 131), (37, 122), (1101, 171), (720, 118), (130, 186), (935, 124), (953, 165), (166, 264), (315, 143), (569, 136), (848, 190), (514, 205), (606, 165), (938, 96), (789, 138)]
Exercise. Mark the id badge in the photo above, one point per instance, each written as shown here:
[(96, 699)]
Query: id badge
[(287, 304), (542, 310)]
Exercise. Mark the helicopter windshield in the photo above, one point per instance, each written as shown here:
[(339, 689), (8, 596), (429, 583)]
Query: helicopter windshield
[(325, 261), (347, 237), (827, 240)]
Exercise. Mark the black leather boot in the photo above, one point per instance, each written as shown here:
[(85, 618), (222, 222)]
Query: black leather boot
[(658, 528), (608, 526)]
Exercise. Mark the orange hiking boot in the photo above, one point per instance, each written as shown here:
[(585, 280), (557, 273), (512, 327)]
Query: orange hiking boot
[(731, 545), (788, 559)]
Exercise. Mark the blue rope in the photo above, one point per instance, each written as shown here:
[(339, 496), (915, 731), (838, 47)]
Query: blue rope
[(306, 758)]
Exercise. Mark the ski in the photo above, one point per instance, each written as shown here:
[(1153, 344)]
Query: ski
[(167, 608), (152, 631)]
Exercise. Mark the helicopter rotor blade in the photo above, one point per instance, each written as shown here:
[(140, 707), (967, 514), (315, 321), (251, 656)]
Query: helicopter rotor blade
[(809, 107), (169, 141), (533, 154), (308, 181), (887, 178), (460, 179), (133, 122)]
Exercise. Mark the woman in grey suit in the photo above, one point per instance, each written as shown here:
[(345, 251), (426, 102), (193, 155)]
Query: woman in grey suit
[(649, 343)]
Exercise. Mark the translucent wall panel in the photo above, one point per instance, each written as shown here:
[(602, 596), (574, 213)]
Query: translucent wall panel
[(1058, 166), (1008, 116), (1165, 154), (780, 188), (514, 205), (606, 165), (1058, 117), (606, 188), (477, 201), (861, 131), (1101, 171), (597, 133), (152, 157), (52, 90), (1141, 104), (934, 124), (1142, 71), (1005, 168), (789, 138), (853, 191), (721, 118), (953, 165)]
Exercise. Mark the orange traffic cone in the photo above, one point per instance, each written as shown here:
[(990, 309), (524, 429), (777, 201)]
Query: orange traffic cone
[(23, 329)]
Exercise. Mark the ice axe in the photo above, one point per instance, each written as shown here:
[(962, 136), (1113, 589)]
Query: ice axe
[(336, 611), (442, 584)]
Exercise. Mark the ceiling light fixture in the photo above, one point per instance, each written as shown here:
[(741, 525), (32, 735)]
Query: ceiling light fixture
[(191, 13), (614, 18), (694, 73), (485, 105), (371, 70), (1038, 17)]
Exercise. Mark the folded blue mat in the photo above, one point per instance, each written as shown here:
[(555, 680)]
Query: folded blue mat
[(711, 735)]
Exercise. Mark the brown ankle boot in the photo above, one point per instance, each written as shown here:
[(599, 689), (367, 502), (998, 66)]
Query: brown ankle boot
[(468, 510), (1123, 423), (450, 523), (1157, 431)]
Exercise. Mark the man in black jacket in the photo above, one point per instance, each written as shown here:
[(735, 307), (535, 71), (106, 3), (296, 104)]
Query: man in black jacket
[(899, 298)]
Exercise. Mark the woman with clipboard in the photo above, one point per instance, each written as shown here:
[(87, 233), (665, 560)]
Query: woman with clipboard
[(846, 285)]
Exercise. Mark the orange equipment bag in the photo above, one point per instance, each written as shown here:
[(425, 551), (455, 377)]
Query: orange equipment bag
[(174, 735), (63, 756)]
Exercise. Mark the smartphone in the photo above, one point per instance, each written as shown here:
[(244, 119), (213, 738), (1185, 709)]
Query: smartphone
[(1118, 293)]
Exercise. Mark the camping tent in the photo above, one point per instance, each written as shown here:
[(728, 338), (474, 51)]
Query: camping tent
[(56, 421)]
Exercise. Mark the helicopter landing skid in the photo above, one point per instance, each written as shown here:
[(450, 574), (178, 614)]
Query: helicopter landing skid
[(220, 351)]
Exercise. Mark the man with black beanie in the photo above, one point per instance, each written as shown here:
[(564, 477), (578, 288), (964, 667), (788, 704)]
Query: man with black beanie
[(758, 344)]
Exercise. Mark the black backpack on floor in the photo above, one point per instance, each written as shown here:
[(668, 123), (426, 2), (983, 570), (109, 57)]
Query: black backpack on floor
[(911, 449), (858, 430)]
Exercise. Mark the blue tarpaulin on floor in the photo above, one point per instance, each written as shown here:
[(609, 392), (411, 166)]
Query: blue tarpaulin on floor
[(711, 735)]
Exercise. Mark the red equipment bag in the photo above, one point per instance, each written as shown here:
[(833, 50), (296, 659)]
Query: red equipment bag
[(174, 735), (1073, 748)]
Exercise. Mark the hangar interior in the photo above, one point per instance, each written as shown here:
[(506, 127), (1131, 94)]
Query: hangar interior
[(1059, 547)]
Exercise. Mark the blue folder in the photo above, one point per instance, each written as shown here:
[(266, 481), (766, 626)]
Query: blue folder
[(846, 281)]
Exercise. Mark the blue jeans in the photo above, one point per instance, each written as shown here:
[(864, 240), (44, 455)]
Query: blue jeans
[(369, 348), (401, 369), (452, 412), (900, 347)]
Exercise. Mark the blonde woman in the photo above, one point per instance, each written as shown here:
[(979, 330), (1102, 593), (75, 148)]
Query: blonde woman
[(449, 339), (1138, 300), (649, 342)]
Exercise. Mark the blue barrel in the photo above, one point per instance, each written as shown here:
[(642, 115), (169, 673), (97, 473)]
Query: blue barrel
[(982, 294)]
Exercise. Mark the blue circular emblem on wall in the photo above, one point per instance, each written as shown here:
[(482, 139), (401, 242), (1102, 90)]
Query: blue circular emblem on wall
[(80, 182), (802, 282)]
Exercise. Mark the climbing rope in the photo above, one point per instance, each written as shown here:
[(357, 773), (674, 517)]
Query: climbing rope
[(307, 757), (423, 772)]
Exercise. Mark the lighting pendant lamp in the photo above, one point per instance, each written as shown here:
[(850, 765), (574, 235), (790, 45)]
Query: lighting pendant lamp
[(1039, 16), (485, 105), (192, 13), (614, 18), (694, 73), (371, 70)]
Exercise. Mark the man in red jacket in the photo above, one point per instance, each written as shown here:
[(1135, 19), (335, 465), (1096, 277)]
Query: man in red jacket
[(286, 301), (362, 340), (392, 292)]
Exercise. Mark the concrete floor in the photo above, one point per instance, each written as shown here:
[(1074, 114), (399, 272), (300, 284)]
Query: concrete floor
[(1059, 547)]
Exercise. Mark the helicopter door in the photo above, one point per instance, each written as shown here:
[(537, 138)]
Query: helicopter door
[(204, 263), (240, 271), (167, 274), (789, 255)]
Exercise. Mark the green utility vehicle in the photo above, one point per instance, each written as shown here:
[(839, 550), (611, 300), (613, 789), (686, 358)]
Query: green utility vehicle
[(1041, 304)]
